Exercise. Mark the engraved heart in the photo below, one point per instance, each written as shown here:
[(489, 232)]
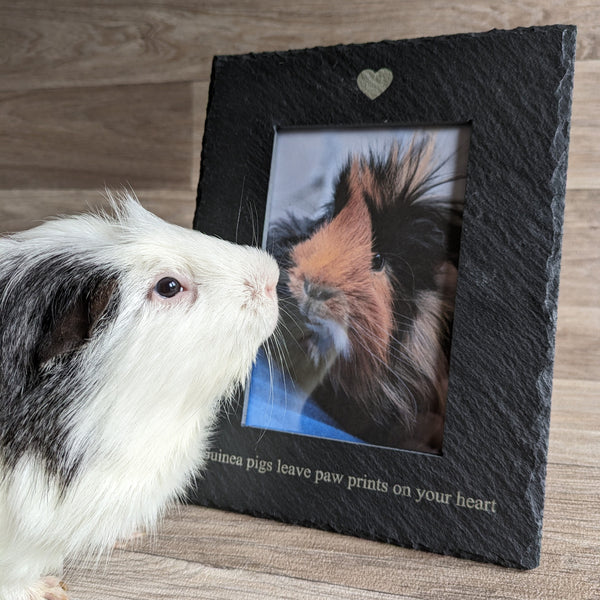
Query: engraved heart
[(372, 84)]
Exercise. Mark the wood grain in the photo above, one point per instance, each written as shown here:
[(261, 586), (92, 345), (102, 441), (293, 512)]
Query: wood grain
[(115, 93), (86, 137), (72, 43), (229, 541), (139, 135), (190, 580), (22, 209), (579, 281), (577, 350), (584, 150)]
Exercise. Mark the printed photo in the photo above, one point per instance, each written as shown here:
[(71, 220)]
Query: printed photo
[(365, 225)]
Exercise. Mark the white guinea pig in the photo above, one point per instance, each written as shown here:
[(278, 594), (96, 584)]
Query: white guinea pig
[(118, 337)]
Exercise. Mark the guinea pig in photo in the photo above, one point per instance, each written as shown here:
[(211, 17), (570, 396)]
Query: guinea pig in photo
[(119, 336), (367, 296)]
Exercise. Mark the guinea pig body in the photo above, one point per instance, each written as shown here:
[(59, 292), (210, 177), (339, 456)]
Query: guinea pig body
[(118, 338), (368, 290)]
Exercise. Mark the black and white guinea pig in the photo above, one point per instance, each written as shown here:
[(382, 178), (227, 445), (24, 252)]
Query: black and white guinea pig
[(118, 337), (367, 295)]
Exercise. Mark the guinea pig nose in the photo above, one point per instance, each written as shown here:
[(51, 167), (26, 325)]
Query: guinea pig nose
[(316, 291), (270, 291)]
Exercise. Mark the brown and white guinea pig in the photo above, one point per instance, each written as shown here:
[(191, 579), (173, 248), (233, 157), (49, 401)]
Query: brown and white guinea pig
[(367, 296), (118, 337)]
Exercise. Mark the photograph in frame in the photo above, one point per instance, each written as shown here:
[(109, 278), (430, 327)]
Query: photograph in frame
[(365, 225), (472, 486)]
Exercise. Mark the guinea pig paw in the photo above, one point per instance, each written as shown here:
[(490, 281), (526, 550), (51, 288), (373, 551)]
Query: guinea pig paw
[(49, 588)]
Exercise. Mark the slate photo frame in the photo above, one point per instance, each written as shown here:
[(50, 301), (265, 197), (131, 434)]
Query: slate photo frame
[(481, 496)]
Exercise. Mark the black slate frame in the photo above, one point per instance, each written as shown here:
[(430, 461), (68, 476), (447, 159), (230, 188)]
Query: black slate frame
[(514, 89)]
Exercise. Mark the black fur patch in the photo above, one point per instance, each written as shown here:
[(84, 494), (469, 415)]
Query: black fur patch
[(415, 231), (48, 312), (289, 231)]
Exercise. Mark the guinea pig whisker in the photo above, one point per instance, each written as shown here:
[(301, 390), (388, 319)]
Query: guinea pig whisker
[(394, 374), (269, 356), (291, 317), (253, 214), (270, 350), (293, 323), (401, 319), (267, 353), (254, 222), (364, 332), (283, 326), (282, 350), (237, 223), (404, 323)]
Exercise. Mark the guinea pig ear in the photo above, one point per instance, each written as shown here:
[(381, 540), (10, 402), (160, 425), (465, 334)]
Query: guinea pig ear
[(71, 329), (99, 301)]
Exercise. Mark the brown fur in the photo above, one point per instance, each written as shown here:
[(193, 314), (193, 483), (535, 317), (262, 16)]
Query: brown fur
[(338, 256)]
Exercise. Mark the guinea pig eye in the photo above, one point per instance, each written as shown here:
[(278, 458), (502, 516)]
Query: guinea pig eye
[(377, 262), (168, 287)]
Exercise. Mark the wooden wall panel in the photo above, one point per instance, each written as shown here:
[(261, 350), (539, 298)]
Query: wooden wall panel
[(75, 43), (139, 135)]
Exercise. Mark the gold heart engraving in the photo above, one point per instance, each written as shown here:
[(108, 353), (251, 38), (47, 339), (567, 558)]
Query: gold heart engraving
[(372, 84)]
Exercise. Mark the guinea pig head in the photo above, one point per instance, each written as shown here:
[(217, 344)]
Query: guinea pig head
[(122, 322), (373, 284), (343, 291), (204, 305)]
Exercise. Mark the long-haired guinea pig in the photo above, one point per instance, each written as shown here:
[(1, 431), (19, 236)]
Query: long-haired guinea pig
[(118, 337), (367, 294)]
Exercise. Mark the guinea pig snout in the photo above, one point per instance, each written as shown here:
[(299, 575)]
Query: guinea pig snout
[(325, 311), (318, 292), (316, 299), (261, 288)]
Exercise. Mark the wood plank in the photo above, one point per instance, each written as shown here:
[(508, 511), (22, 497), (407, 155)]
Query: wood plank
[(69, 138), (126, 575), (584, 150), (579, 281), (88, 137), (575, 423), (577, 348), (231, 541), (23, 209), (116, 42)]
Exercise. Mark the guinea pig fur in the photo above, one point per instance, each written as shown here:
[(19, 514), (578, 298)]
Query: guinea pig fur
[(368, 292), (119, 335)]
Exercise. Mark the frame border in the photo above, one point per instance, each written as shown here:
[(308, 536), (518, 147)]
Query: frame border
[(514, 89)]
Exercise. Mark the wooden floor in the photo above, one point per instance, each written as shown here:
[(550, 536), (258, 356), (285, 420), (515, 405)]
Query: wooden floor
[(115, 93)]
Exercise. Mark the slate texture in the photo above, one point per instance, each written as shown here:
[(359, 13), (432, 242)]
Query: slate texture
[(483, 498)]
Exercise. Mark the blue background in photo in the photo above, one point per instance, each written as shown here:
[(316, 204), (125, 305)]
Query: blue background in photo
[(274, 402)]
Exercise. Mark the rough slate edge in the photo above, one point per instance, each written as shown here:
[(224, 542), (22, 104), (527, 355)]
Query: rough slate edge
[(535, 490), (560, 153)]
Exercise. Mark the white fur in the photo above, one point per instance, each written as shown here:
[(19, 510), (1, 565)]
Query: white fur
[(149, 411)]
